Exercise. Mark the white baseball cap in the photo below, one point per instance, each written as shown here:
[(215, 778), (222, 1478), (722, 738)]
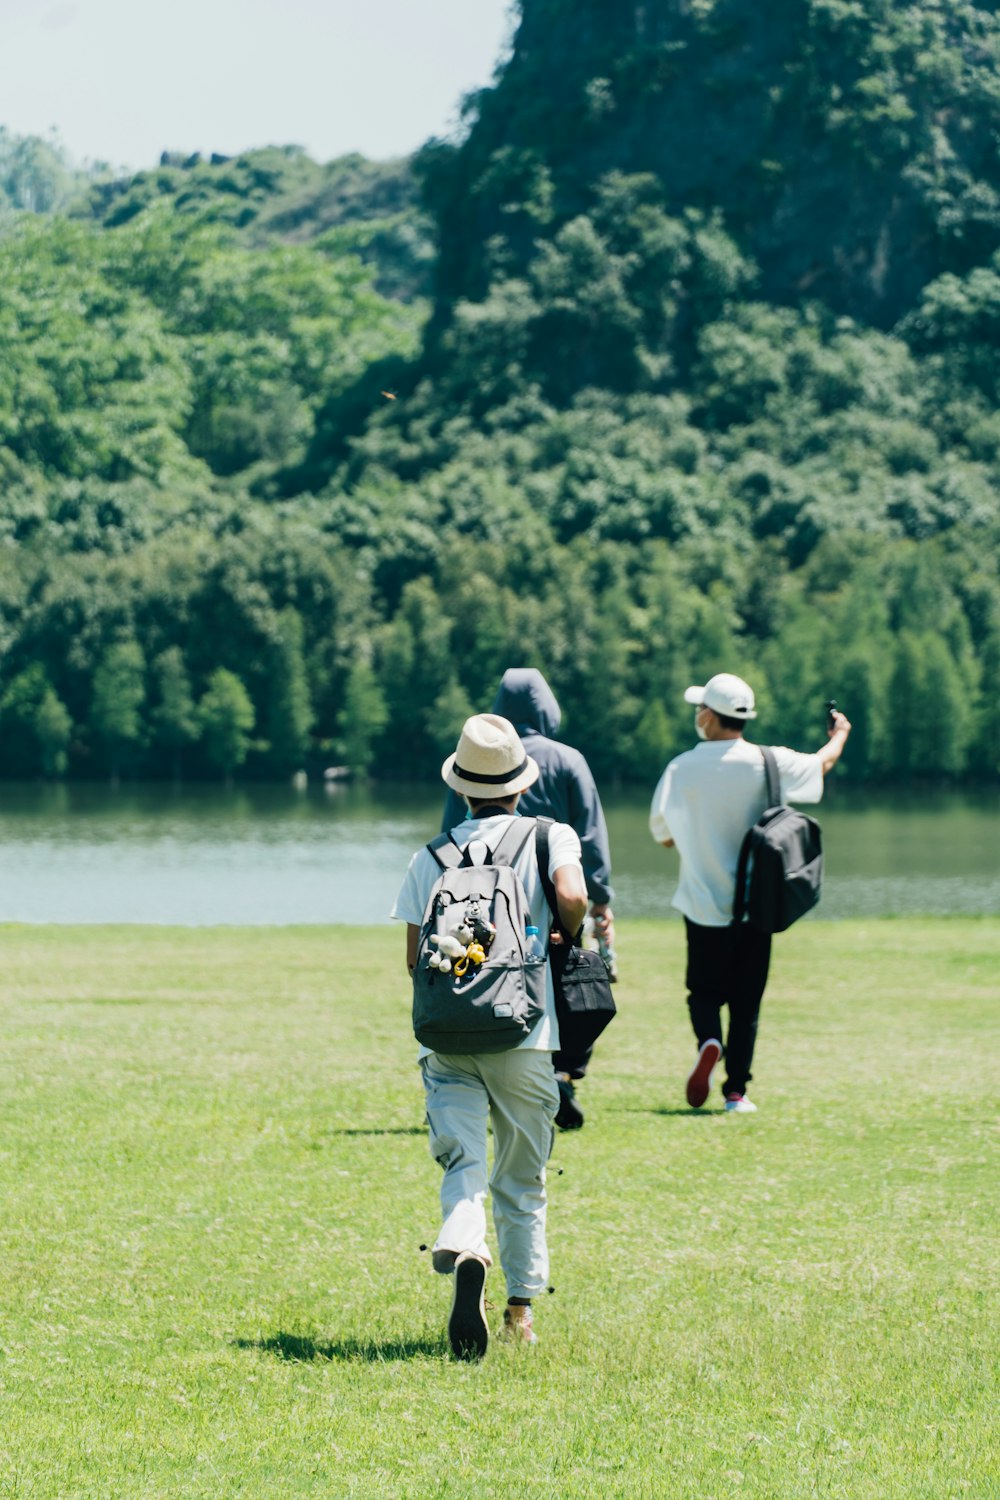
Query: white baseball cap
[(725, 694)]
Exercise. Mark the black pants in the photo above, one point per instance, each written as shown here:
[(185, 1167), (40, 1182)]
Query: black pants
[(727, 966), (573, 1063)]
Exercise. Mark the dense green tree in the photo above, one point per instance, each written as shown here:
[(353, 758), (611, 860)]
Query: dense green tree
[(35, 175), (930, 714), (53, 728), (984, 759), (862, 688), (34, 726), (363, 717), (174, 717), (415, 669), (448, 713), (947, 728), (650, 745), (227, 718), (288, 713), (117, 700)]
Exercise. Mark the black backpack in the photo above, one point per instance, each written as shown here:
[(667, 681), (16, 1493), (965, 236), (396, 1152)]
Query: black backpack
[(780, 868)]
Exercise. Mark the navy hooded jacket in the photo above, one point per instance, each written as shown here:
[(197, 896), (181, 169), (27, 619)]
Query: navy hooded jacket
[(565, 788)]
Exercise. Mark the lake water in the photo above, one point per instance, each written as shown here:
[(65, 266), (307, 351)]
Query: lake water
[(200, 855)]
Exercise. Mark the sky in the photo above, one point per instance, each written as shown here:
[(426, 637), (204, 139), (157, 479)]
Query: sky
[(119, 81)]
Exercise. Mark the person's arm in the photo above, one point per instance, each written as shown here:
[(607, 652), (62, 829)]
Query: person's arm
[(833, 749), (658, 825), (586, 815), (571, 896), (412, 939)]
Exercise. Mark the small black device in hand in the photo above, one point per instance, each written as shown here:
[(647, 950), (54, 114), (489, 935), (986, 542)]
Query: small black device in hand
[(831, 709)]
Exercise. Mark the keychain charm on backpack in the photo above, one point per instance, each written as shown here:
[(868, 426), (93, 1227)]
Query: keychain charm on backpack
[(484, 933)]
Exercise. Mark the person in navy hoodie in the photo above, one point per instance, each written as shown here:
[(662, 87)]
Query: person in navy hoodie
[(565, 791)]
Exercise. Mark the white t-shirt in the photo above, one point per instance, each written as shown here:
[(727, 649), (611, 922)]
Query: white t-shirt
[(706, 800), (422, 876)]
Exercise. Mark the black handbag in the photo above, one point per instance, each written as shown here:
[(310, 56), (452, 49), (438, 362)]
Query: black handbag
[(584, 1002)]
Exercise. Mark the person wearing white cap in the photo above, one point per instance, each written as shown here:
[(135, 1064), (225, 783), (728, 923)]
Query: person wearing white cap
[(514, 1091), (704, 803)]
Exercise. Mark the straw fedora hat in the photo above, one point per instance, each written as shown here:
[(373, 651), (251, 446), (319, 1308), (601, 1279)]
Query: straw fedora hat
[(490, 760)]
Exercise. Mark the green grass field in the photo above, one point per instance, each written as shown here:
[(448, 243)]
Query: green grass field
[(215, 1184)]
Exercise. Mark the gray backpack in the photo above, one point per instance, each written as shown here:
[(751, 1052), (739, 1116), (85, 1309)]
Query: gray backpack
[(474, 989)]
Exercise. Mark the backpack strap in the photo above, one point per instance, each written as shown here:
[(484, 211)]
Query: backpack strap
[(773, 779), (740, 893), (508, 837), (449, 856), (773, 776), (542, 826), (445, 852)]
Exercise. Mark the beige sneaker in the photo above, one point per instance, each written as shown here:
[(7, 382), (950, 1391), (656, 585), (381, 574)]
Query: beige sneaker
[(517, 1327)]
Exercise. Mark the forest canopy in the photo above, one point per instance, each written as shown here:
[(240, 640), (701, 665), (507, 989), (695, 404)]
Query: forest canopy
[(684, 357)]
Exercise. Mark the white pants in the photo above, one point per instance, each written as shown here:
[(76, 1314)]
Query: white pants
[(517, 1092)]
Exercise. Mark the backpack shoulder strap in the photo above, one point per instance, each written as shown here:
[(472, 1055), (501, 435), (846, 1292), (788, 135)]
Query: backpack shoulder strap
[(542, 826), (773, 780), (511, 844), (773, 776), (449, 856), (445, 852), (740, 892)]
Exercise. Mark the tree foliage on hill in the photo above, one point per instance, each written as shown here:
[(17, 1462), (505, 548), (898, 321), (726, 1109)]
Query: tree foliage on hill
[(278, 195), (35, 176), (849, 147), (711, 382)]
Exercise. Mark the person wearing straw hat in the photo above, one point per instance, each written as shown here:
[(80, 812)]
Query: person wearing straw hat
[(704, 803), (566, 791), (513, 1091)]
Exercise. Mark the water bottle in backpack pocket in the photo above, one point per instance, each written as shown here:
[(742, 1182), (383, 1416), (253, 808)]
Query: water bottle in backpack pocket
[(475, 987)]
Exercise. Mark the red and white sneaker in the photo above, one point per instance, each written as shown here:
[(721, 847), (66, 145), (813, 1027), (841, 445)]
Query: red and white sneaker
[(700, 1077), (739, 1104)]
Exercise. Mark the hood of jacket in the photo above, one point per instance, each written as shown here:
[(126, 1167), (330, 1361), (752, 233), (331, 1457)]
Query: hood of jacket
[(525, 698)]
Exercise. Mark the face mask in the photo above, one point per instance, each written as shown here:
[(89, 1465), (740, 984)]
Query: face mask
[(698, 729)]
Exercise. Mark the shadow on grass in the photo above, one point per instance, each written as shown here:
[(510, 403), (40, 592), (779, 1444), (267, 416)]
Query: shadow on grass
[(388, 1130), (298, 1348), (687, 1112)]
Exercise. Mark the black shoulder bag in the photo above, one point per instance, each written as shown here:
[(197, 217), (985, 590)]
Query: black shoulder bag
[(584, 1002), (780, 868)]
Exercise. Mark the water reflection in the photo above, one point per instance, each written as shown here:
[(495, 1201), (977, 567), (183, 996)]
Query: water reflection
[(257, 854)]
